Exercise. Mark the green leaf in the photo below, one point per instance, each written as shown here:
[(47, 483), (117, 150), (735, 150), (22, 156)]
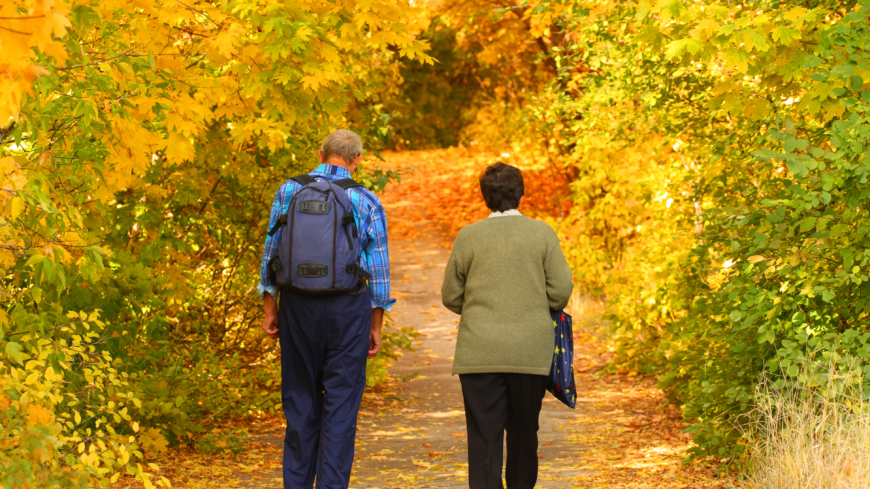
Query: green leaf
[(808, 224), (797, 167), (785, 35), (848, 259), (94, 253), (800, 144), (48, 270), (793, 370), (34, 260), (756, 40), (767, 336), (857, 83), (13, 351)]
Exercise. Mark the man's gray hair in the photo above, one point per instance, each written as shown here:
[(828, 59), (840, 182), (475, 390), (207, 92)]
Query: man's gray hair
[(342, 143)]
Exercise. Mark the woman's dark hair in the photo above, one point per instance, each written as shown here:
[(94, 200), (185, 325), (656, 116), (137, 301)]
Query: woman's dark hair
[(502, 187)]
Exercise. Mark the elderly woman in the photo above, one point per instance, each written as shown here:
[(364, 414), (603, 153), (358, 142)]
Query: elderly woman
[(504, 276)]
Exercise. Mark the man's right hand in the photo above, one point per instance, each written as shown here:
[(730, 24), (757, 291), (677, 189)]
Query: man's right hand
[(270, 324), (375, 336)]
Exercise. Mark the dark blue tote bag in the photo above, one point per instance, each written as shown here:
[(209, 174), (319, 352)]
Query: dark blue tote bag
[(561, 383)]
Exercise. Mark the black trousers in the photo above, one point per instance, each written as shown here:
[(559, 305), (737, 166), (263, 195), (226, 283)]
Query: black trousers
[(495, 403)]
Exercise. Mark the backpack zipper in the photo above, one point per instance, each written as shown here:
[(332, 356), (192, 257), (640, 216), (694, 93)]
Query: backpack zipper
[(289, 266), (347, 233)]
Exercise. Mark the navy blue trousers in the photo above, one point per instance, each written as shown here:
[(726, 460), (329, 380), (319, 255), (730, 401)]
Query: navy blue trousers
[(324, 344)]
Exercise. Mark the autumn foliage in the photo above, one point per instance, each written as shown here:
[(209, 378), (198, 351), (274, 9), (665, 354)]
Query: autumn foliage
[(704, 162), (715, 154), (139, 145)]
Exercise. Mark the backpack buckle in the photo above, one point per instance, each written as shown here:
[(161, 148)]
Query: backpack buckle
[(315, 207), (312, 270)]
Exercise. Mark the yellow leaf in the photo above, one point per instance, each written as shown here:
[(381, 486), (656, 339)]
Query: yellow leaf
[(704, 30), (16, 207), (756, 258), (153, 441), (312, 82), (7, 258), (179, 149)]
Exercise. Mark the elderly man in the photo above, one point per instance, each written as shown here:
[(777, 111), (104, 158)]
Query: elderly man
[(325, 336)]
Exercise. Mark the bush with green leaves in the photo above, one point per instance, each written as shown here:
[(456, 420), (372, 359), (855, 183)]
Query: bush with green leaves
[(717, 156)]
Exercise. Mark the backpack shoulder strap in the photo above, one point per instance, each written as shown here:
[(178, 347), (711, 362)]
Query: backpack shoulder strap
[(280, 222), (347, 183), (303, 179)]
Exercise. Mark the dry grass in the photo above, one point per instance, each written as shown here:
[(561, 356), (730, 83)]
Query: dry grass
[(811, 437)]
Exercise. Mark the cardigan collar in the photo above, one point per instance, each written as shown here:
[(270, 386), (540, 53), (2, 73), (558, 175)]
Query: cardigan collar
[(509, 212)]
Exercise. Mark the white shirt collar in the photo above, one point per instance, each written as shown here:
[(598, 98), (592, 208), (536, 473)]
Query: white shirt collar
[(510, 212)]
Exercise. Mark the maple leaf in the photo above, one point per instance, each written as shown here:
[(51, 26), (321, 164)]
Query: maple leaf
[(179, 148), (785, 35), (739, 58), (313, 82), (671, 9), (704, 30), (681, 46), (38, 415), (755, 40), (225, 42)]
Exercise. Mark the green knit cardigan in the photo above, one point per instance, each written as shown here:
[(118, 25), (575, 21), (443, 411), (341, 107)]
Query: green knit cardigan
[(504, 276)]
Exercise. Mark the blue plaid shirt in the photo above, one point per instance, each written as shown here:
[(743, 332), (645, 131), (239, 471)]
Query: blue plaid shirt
[(371, 221)]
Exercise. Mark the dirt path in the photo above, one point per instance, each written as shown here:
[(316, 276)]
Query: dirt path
[(620, 435)]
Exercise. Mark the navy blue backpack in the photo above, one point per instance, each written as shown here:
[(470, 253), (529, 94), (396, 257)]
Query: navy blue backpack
[(561, 383), (319, 251)]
